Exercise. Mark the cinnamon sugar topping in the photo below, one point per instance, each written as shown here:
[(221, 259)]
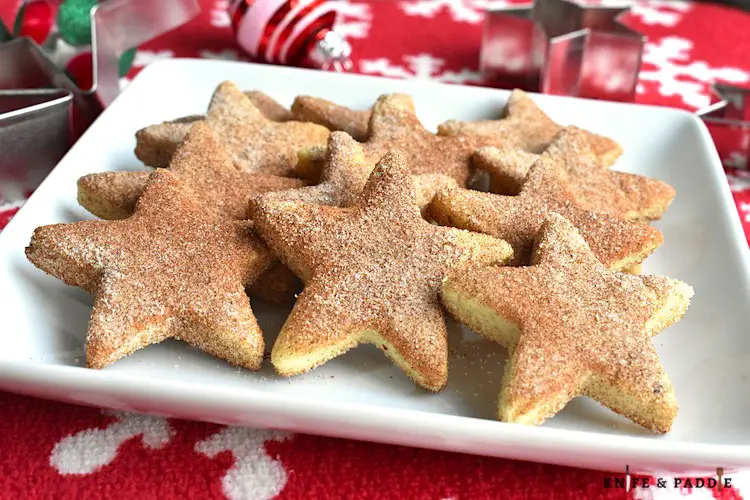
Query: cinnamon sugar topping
[(573, 328), (372, 274), (170, 270)]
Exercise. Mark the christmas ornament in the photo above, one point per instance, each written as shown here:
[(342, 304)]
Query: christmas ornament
[(728, 121), (34, 20), (63, 28), (41, 108), (560, 47), (293, 32)]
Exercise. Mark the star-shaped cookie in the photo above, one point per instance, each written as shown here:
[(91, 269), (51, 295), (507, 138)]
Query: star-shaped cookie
[(525, 126), (332, 116), (619, 244), (573, 328), (210, 179), (255, 143), (345, 171), (372, 273), (394, 125), (206, 171), (156, 143), (171, 270), (628, 196)]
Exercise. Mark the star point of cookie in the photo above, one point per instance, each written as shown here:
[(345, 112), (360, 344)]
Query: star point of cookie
[(332, 116), (256, 143), (345, 169), (525, 126), (394, 125), (211, 180), (372, 273), (629, 196), (573, 328), (171, 270), (619, 244), (157, 143), (206, 171)]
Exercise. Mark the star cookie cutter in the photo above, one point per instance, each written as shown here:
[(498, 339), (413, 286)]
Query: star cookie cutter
[(563, 48), (728, 121), (42, 110)]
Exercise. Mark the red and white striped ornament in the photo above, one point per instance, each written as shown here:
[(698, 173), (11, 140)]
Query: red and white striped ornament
[(291, 32)]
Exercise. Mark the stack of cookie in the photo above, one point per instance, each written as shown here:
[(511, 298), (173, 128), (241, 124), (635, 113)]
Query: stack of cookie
[(365, 218)]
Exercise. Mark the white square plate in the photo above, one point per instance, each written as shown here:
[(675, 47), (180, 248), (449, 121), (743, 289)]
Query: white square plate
[(361, 395)]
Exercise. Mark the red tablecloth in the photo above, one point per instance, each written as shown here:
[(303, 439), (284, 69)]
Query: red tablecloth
[(51, 450)]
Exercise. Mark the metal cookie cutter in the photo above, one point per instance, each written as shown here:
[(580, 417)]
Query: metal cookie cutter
[(42, 110), (728, 121), (560, 47)]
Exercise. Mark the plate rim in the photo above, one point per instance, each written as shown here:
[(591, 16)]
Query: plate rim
[(13, 373)]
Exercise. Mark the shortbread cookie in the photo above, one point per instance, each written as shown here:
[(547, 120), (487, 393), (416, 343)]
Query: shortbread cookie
[(256, 143), (332, 116), (525, 126), (155, 147), (206, 171), (345, 172), (210, 179), (628, 196), (617, 243), (394, 125), (372, 273), (171, 270), (270, 108), (573, 328), (506, 167)]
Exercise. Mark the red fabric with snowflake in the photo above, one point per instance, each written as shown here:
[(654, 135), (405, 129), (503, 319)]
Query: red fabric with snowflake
[(52, 450)]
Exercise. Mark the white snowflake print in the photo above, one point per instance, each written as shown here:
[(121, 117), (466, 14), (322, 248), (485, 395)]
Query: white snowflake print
[(739, 180), (422, 66), (87, 451), (666, 62), (10, 205), (737, 160), (660, 12), (469, 11), (354, 19), (220, 14), (744, 211), (254, 474), (226, 54), (146, 57)]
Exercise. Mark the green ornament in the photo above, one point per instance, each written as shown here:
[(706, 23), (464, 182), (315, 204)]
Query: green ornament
[(4, 33), (126, 61), (74, 21)]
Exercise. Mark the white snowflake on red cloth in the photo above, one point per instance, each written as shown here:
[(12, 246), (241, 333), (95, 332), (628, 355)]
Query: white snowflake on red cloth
[(354, 19), (660, 12), (739, 180), (87, 451), (220, 14), (254, 474), (470, 11), (736, 160), (422, 66), (667, 63)]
